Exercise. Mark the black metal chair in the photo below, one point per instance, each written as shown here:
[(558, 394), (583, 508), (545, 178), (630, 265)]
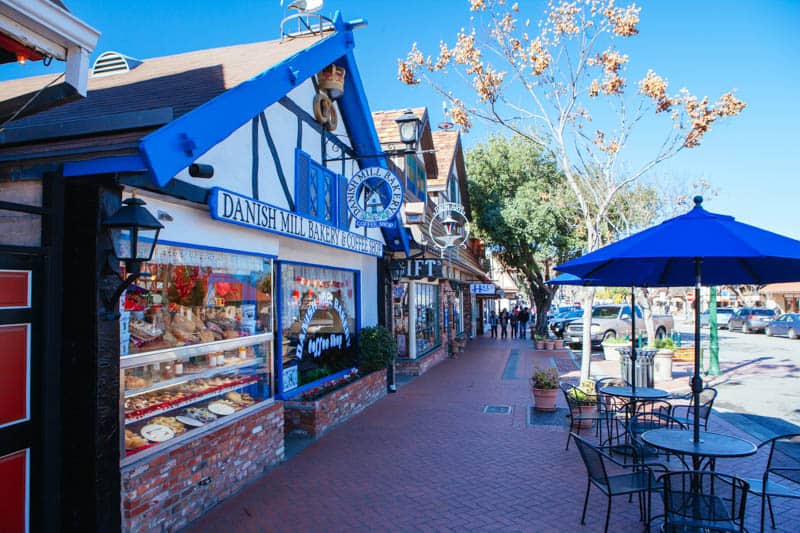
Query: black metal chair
[(639, 480), (582, 408), (611, 409), (703, 501), (645, 421), (707, 397), (783, 464)]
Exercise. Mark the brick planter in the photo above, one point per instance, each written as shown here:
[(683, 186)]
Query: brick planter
[(417, 367), (168, 490), (313, 418)]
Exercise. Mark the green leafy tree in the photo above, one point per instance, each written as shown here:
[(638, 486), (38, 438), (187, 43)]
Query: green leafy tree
[(562, 81), (520, 201)]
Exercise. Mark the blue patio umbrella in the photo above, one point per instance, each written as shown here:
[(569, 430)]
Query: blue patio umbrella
[(696, 248)]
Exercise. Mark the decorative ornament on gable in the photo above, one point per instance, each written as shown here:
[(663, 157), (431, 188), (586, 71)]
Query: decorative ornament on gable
[(449, 227), (330, 82)]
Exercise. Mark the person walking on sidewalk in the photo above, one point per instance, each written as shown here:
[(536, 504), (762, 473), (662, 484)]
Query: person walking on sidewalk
[(524, 316), (504, 324), (493, 320), (514, 322)]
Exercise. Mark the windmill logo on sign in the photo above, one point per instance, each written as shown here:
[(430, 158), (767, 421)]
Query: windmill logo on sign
[(374, 196), (453, 220)]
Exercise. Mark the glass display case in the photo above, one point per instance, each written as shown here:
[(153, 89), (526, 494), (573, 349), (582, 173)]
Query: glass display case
[(427, 317), (196, 344)]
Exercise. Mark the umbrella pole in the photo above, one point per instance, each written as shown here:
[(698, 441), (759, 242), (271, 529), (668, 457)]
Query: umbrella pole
[(633, 341), (697, 381)]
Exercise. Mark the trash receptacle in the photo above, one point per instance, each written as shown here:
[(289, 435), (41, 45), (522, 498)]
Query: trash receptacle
[(644, 366), (662, 363)]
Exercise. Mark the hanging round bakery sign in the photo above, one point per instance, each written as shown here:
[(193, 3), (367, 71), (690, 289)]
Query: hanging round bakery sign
[(374, 196), (449, 227)]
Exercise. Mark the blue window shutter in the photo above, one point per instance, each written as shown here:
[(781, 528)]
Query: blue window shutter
[(344, 219), (301, 183)]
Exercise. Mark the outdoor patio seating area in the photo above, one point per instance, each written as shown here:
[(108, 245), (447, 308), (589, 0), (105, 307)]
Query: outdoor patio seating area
[(442, 455)]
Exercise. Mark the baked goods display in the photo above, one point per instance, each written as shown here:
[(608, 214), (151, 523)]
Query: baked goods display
[(134, 441), (140, 406)]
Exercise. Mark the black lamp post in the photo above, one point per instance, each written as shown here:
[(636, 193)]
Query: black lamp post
[(396, 270), (408, 124), (134, 233)]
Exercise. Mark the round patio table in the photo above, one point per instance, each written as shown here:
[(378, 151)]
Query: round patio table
[(704, 453), (642, 393)]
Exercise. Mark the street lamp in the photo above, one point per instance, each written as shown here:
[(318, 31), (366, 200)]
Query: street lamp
[(408, 124), (396, 270), (134, 233)]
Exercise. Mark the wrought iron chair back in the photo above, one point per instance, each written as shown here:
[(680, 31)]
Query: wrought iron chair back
[(703, 500), (783, 463)]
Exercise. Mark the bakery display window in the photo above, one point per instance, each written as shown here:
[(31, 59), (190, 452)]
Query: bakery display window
[(317, 322), (196, 344), (427, 323)]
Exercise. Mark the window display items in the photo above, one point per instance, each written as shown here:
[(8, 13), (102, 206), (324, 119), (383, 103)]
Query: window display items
[(427, 323), (318, 325), (199, 343)]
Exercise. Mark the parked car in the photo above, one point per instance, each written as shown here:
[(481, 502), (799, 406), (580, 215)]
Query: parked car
[(614, 320), (557, 324), (724, 314), (751, 319), (787, 324)]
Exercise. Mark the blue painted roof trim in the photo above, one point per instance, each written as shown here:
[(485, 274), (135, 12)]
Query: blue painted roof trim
[(358, 118), (175, 146), (105, 165)]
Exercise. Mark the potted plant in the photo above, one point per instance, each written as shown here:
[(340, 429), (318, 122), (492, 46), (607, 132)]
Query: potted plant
[(548, 344), (558, 344), (544, 387), (610, 347), (662, 361), (539, 341), (585, 402)]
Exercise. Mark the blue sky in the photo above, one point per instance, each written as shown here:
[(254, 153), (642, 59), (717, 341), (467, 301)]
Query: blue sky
[(709, 47)]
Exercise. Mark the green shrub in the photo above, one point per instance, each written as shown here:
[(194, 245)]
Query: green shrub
[(545, 379), (377, 349)]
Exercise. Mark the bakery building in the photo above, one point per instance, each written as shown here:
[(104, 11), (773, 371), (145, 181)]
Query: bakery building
[(434, 312), (163, 393)]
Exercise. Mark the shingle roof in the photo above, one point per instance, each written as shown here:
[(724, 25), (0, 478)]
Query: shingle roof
[(445, 144), (182, 82), (791, 287)]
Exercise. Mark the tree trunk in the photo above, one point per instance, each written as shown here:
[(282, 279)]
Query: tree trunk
[(647, 310), (587, 301), (542, 298)]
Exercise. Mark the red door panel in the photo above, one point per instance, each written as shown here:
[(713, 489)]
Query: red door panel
[(14, 375), (15, 288), (14, 490)]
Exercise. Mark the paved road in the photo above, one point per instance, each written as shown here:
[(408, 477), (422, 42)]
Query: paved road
[(761, 378)]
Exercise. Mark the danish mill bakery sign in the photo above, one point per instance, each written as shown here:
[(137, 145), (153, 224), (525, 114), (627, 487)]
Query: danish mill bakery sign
[(374, 196), (229, 206)]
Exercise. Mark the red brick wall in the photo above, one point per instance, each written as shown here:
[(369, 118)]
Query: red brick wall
[(316, 417), (167, 491), (417, 367)]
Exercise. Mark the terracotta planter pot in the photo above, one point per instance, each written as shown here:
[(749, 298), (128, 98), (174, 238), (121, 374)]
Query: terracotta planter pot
[(539, 345), (545, 399), (558, 344), (548, 345), (585, 410)]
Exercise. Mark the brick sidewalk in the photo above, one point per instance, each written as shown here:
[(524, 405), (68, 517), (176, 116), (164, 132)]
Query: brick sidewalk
[(429, 459)]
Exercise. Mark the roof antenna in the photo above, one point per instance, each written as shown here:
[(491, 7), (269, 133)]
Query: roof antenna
[(445, 124), (308, 21)]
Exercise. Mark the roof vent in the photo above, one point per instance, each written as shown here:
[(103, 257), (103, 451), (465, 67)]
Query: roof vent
[(110, 63)]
